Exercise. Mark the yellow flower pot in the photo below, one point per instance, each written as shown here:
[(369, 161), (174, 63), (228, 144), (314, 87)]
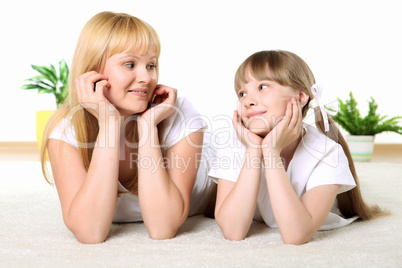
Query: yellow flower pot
[(41, 119)]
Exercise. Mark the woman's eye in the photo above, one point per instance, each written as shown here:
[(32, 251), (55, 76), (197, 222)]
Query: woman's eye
[(129, 65), (151, 66), (263, 86)]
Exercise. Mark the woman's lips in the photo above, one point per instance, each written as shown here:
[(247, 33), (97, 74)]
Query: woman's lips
[(139, 92)]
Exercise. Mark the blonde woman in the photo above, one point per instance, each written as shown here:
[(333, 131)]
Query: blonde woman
[(293, 176), (124, 148)]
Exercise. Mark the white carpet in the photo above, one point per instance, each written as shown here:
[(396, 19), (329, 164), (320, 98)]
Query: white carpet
[(32, 233)]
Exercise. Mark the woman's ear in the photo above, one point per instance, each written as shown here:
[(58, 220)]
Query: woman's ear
[(303, 98)]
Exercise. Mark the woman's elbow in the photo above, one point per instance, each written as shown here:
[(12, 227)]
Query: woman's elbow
[(161, 232), (234, 236), (88, 235)]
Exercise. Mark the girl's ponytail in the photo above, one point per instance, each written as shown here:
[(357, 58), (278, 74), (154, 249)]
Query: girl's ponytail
[(350, 203)]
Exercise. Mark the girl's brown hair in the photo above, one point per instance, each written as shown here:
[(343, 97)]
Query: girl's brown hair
[(288, 69), (104, 35)]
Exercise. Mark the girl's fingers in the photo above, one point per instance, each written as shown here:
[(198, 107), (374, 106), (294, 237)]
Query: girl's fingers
[(288, 114), (295, 114), (236, 120), (300, 118), (239, 127)]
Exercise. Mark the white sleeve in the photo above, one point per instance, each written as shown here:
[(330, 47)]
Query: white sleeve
[(230, 154), (325, 174), (184, 121), (64, 131)]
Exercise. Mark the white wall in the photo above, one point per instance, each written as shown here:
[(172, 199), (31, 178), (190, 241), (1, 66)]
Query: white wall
[(349, 45)]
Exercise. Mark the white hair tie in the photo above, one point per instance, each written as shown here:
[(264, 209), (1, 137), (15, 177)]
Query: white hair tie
[(317, 102)]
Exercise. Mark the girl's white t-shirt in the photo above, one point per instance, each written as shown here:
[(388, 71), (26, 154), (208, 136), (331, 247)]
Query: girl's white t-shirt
[(318, 160), (184, 121)]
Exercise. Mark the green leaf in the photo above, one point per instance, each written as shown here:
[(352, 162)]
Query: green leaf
[(349, 118), (63, 71), (30, 86), (48, 72)]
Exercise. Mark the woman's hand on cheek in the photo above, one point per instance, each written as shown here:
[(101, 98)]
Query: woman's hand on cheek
[(162, 107), (90, 89), (247, 137), (287, 130)]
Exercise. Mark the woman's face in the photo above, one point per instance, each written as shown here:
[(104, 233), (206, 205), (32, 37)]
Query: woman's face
[(262, 104), (132, 79)]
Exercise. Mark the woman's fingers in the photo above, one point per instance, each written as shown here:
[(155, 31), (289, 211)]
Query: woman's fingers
[(165, 94), (90, 90)]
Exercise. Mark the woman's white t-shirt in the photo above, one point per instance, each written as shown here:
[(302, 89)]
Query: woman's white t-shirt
[(318, 160), (184, 121)]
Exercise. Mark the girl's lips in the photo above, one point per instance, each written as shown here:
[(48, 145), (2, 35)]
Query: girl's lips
[(255, 113)]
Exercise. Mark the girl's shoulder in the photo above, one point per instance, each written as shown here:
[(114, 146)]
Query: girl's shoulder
[(318, 146), (320, 160)]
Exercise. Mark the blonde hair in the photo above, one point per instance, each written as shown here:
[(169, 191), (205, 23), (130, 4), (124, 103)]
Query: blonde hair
[(288, 69), (104, 35)]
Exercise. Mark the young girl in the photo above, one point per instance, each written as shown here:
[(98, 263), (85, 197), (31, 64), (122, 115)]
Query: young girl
[(293, 176), (124, 148)]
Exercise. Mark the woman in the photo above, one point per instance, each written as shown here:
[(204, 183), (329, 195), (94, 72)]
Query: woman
[(124, 148)]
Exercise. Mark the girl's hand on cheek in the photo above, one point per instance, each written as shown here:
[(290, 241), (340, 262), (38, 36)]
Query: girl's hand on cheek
[(247, 137), (288, 129), (163, 105), (90, 93)]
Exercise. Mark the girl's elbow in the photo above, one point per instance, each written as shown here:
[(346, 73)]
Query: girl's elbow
[(295, 238), (90, 239), (231, 232), (294, 241)]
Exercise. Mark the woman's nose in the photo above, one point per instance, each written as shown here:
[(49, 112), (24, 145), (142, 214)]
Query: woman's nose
[(143, 76)]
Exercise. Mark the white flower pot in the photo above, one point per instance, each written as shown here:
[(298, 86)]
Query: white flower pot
[(361, 147)]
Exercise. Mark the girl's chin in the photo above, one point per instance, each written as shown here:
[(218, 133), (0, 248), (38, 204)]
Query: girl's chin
[(260, 132)]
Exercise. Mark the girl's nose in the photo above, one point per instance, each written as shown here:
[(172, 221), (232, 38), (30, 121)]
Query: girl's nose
[(250, 101)]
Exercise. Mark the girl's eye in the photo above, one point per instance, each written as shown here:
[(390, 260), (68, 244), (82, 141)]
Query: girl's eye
[(263, 86), (242, 94), (151, 66)]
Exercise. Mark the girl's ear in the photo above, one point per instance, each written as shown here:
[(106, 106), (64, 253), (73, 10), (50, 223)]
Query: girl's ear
[(303, 98)]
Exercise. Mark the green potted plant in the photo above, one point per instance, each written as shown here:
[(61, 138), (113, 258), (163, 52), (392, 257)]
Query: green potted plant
[(49, 81), (363, 130)]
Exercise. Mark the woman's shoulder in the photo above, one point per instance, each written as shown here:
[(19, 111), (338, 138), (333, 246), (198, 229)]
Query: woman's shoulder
[(64, 131), (184, 120)]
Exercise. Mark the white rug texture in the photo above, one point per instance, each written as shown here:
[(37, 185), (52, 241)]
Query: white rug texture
[(32, 233)]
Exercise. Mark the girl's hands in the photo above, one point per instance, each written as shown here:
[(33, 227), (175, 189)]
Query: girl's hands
[(287, 130), (247, 137), (162, 107), (90, 87)]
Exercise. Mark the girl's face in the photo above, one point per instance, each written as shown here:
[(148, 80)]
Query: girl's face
[(262, 104), (132, 79)]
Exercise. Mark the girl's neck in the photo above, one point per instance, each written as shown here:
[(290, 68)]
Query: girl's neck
[(288, 152)]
